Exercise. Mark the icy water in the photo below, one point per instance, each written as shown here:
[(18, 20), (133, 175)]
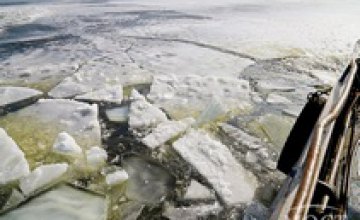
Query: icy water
[(259, 58)]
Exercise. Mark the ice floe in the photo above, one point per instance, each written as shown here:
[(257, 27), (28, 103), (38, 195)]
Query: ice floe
[(148, 182), (144, 115), (117, 177), (197, 191), (13, 164), (96, 157), (80, 120), (118, 114), (216, 164), (63, 202), (181, 95), (241, 137), (15, 97), (95, 79), (113, 94), (65, 144), (165, 131), (193, 212), (273, 128), (41, 177)]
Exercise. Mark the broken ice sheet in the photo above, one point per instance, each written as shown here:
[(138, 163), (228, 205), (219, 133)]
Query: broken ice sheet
[(65, 144), (42, 176), (111, 94), (97, 75), (202, 211), (216, 164), (13, 164), (184, 58), (274, 128), (15, 97), (118, 114), (143, 115), (63, 202), (36, 127), (197, 191), (165, 131), (96, 157), (117, 177), (148, 182), (184, 96), (213, 111)]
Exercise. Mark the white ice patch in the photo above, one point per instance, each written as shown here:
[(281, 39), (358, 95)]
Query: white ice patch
[(61, 203), (76, 118), (65, 144), (42, 176), (13, 164), (96, 76), (165, 131), (96, 157), (215, 163), (148, 182), (241, 137), (192, 212), (144, 115), (12, 95), (116, 177), (118, 114), (181, 95), (112, 94), (197, 191)]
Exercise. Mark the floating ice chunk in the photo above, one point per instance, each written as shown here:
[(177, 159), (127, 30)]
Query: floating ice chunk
[(196, 191), (215, 163), (241, 137), (53, 116), (118, 114), (95, 75), (135, 95), (116, 177), (42, 176), (15, 95), (68, 89), (96, 157), (165, 131), (65, 144), (213, 111), (61, 203), (148, 182), (142, 114), (112, 94), (192, 212), (275, 128), (13, 164), (277, 99), (184, 95)]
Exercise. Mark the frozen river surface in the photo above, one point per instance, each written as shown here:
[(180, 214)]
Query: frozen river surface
[(221, 82), (43, 41)]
